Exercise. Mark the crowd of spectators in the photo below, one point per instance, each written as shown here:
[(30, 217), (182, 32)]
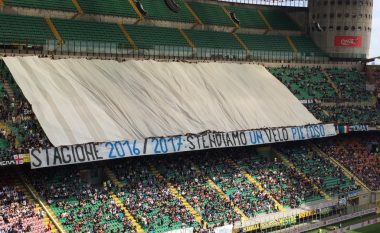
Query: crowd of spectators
[(359, 153), (342, 114), (305, 82), (83, 204), (243, 193), (16, 114), (79, 205), (18, 214), (194, 187), (350, 83), (286, 185), (149, 199), (327, 176)]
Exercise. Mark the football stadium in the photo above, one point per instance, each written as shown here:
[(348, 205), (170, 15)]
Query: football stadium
[(185, 116)]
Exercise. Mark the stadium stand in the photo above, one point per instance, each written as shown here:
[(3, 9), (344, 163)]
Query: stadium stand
[(80, 206), (159, 36), (350, 83), (266, 42), (231, 181), (149, 199), (59, 5), (24, 131), (218, 40), (306, 46), (248, 17), (280, 20), (158, 10), (211, 14), (24, 30), (320, 171), (287, 186), (75, 30), (110, 7), (305, 82), (349, 115), (195, 188), (17, 212), (353, 152)]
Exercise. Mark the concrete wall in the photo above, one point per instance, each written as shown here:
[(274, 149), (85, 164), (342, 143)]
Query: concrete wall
[(341, 18)]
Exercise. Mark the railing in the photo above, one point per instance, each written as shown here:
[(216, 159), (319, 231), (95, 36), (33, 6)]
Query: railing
[(109, 49)]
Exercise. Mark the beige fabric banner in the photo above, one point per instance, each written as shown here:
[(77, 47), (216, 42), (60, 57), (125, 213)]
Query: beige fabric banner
[(79, 101)]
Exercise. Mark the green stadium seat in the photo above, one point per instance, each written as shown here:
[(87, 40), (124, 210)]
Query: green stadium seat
[(75, 30), (108, 7), (24, 30), (306, 46), (266, 42), (59, 5), (248, 17), (158, 10), (211, 14), (150, 37), (279, 20), (209, 39)]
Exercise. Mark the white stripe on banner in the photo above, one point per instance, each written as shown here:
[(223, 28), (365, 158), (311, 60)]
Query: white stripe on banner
[(91, 152)]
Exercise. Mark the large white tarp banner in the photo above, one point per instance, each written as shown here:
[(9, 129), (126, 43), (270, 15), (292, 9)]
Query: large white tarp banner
[(92, 152), (79, 101)]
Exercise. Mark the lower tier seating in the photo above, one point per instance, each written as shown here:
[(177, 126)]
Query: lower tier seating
[(149, 199), (287, 186), (319, 170), (80, 206), (356, 154), (17, 212)]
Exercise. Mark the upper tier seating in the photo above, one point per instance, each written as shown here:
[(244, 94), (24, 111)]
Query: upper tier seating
[(306, 46), (158, 36), (248, 17), (350, 83), (211, 14), (158, 10), (59, 5), (24, 30), (75, 30), (109, 7), (279, 20), (80, 206), (266, 42), (208, 39), (17, 213), (305, 82), (319, 170), (149, 199), (352, 152)]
